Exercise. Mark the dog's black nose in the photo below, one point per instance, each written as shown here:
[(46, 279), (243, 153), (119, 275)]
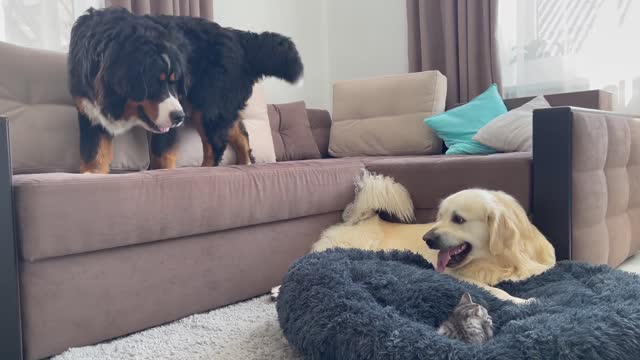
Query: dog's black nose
[(432, 239), (177, 117)]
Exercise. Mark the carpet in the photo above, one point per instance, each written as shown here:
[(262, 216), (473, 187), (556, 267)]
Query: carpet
[(247, 330), (351, 304)]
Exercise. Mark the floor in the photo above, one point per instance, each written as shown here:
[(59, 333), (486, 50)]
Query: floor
[(248, 330), (632, 264)]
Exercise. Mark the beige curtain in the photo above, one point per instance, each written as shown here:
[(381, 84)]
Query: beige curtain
[(195, 8), (457, 37)]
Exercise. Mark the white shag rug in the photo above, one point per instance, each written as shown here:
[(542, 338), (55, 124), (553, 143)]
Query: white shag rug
[(247, 330)]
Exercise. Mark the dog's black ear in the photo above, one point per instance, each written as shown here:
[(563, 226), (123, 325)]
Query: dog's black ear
[(183, 79), (122, 71), (184, 82), (179, 67), (133, 79), (100, 80)]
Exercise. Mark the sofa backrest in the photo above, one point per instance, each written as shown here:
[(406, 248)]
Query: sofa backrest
[(589, 99)]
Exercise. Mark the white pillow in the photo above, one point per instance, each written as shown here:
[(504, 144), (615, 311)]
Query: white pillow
[(512, 131)]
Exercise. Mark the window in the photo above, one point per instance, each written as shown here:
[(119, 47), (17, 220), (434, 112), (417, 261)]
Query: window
[(549, 46), (44, 24)]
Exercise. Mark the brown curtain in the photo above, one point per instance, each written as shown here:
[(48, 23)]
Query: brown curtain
[(457, 37), (195, 8)]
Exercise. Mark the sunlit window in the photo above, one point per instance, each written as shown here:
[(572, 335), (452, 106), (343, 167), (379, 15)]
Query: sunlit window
[(550, 46), (44, 24)]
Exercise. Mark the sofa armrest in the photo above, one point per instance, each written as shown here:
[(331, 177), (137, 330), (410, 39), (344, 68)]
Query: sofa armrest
[(10, 325), (586, 183)]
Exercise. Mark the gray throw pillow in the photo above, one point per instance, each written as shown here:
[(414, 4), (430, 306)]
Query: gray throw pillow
[(513, 131)]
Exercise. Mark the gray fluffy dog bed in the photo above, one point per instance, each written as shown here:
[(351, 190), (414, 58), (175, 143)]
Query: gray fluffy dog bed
[(354, 304)]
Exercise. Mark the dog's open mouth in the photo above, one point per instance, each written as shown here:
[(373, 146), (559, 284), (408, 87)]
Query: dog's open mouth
[(453, 256), (151, 126)]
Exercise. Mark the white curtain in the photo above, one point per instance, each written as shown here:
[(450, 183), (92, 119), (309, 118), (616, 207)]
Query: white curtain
[(550, 46), (44, 24)]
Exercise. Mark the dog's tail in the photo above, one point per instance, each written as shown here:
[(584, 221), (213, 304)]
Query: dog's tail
[(271, 54), (379, 195)]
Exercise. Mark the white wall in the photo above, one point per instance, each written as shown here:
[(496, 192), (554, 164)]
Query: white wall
[(337, 40), (303, 21), (367, 38)]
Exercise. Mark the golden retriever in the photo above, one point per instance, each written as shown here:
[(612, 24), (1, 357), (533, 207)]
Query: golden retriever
[(480, 236)]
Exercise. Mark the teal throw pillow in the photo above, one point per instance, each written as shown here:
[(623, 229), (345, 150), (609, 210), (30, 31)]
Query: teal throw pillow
[(458, 126)]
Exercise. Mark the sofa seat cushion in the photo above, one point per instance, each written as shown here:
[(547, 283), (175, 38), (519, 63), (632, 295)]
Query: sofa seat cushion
[(61, 214), (431, 178)]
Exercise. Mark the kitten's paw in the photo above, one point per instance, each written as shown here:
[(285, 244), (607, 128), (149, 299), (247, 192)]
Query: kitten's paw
[(275, 291)]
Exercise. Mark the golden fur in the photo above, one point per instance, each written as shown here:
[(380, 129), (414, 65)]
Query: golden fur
[(504, 243)]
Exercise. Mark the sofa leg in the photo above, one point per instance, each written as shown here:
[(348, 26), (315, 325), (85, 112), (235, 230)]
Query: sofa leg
[(10, 325)]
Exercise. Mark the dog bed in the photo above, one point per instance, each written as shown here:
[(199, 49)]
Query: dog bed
[(354, 304)]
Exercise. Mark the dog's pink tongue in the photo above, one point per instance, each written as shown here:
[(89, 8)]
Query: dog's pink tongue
[(443, 259)]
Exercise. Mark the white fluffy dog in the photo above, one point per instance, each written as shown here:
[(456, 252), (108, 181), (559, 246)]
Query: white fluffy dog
[(480, 236)]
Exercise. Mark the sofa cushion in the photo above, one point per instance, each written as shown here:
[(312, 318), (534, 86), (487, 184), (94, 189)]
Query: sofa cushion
[(43, 121), (256, 121), (431, 178), (384, 115), (320, 121), (293, 138), (512, 131), (457, 126), (60, 214)]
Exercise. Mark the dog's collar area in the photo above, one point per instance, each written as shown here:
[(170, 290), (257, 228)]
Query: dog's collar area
[(452, 256)]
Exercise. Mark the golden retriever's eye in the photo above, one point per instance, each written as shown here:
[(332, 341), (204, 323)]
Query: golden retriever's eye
[(457, 219)]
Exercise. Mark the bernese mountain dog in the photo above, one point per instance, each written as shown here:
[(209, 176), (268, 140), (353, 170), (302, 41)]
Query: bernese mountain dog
[(156, 72)]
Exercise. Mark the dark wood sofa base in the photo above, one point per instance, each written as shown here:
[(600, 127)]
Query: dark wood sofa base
[(552, 152), (10, 325)]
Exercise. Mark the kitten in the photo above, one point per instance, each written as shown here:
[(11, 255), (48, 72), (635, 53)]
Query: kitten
[(469, 322)]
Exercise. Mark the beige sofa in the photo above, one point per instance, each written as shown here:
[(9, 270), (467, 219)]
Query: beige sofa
[(89, 258)]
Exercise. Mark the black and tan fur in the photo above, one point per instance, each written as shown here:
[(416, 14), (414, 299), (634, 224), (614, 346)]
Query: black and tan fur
[(156, 72)]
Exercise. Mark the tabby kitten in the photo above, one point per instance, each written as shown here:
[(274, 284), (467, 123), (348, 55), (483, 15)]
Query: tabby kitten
[(469, 322)]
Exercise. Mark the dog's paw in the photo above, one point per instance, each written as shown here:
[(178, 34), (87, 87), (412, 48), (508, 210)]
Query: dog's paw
[(275, 291), (529, 301)]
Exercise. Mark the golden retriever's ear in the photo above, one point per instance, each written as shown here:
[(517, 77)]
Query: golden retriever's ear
[(507, 223), (500, 231), (510, 230)]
